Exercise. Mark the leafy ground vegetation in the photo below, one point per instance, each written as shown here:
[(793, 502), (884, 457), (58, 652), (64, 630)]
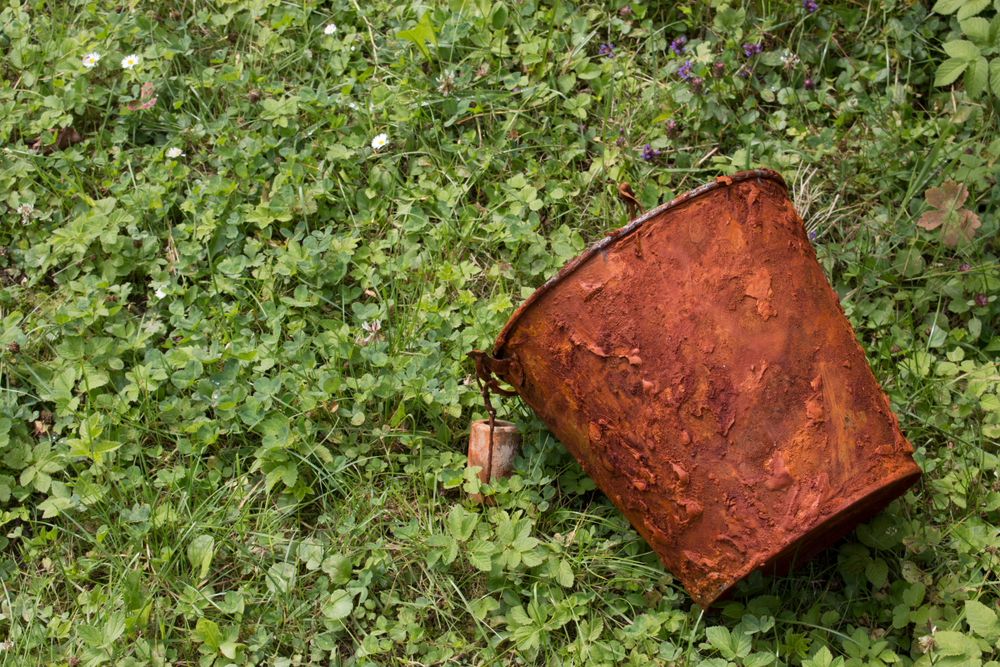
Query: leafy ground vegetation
[(245, 247)]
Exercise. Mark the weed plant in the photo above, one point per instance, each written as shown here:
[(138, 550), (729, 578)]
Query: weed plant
[(246, 245)]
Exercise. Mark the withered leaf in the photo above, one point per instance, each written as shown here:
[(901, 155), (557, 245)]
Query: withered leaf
[(65, 138), (146, 98), (950, 195), (954, 221)]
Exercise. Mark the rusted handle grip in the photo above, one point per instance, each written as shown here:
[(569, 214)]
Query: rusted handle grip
[(508, 370), (627, 195)]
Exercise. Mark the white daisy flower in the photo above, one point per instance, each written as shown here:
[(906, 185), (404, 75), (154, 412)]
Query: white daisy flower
[(330, 29), (128, 62), (379, 142), (91, 59), (160, 293), (174, 153)]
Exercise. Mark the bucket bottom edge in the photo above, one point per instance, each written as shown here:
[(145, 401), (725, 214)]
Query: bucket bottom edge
[(820, 536)]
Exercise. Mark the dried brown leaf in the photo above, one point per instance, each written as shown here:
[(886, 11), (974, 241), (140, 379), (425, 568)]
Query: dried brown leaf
[(931, 220), (146, 98), (64, 139), (949, 196), (954, 221), (964, 225)]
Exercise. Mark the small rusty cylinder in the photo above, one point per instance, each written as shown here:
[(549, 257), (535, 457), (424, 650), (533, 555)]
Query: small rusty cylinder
[(711, 385), (506, 445)]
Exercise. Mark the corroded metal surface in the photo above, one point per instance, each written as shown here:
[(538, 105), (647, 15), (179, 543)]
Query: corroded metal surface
[(711, 385)]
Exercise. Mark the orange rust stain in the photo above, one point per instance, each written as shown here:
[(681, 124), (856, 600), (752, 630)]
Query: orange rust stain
[(781, 477), (759, 287), (683, 478)]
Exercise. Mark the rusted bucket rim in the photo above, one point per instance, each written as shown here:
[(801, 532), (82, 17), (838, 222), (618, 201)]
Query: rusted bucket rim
[(570, 266)]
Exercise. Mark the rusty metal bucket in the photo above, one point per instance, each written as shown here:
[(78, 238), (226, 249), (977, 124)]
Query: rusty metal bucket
[(700, 368)]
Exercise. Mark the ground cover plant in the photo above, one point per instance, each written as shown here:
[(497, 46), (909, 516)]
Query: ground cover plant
[(245, 247)]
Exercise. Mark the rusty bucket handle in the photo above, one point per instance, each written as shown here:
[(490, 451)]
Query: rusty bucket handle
[(486, 368), (627, 195)]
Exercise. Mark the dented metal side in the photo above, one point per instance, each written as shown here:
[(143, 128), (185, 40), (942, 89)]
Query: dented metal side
[(712, 386)]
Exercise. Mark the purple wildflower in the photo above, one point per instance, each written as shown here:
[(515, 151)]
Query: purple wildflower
[(812, 235), (981, 299), (648, 154), (677, 46), (671, 128), (809, 84), (607, 50), (718, 69), (625, 12), (810, 5), (751, 50), (684, 71), (965, 267), (697, 85)]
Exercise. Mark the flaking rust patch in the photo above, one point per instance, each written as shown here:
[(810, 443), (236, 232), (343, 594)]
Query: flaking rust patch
[(692, 507), (734, 231), (579, 339), (759, 288), (683, 478), (591, 288), (753, 377), (751, 198), (781, 476)]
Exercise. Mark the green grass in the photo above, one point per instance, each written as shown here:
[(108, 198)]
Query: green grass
[(205, 456)]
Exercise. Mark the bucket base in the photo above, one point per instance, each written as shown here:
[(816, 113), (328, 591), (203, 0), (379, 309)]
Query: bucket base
[(827, 532)]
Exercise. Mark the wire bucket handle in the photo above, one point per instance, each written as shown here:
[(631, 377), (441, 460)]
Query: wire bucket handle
[(486, 368)]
